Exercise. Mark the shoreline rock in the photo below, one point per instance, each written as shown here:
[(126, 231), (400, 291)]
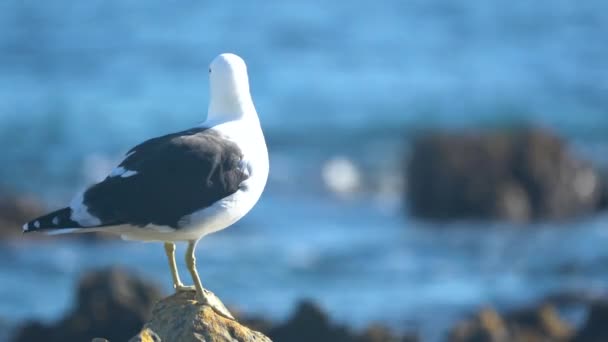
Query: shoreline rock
[(310, 323), (521, 176), (540, 323), (595, 328), (110, 302)]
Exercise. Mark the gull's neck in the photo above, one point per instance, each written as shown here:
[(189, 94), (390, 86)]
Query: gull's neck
[(231, 107)]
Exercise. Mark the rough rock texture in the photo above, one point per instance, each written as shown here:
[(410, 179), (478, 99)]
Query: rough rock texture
[(146, 335), (518, 176), (530, 325), (110, 303), (179, 318), (310, 323)]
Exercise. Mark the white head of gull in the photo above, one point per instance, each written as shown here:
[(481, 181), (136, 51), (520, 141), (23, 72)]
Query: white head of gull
[(229, 88)]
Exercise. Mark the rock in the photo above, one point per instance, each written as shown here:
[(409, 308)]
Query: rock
[(486, 326), (529, 325), (517, 176), (379, 333), (255, 323), (310, 323), (179, 318), (146, 335), (111, 303), (595, 328), (543, 321)]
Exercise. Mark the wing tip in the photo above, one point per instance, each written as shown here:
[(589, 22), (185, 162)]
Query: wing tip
[(59, 219), (31, 226)]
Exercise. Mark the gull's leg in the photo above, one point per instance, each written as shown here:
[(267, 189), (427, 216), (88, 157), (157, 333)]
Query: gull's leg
[(203, 296), (191, 264), (177, 283)]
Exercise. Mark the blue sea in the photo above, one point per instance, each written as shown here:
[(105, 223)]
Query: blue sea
[(341, 88)]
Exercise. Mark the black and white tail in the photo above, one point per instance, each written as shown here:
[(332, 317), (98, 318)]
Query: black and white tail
[(58, 221)]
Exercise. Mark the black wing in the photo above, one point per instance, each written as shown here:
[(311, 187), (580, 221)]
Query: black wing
[(168, 178)]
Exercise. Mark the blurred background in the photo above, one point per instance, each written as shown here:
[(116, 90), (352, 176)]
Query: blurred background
[(429, 159)]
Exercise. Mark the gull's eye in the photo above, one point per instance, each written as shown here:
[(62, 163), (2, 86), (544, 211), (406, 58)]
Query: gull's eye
[(209, 70)]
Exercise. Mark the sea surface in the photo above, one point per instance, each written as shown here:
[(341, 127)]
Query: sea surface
[(340, 87)]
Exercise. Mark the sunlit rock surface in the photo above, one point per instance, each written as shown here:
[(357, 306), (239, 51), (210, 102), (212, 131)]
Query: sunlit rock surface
[(180, 318)]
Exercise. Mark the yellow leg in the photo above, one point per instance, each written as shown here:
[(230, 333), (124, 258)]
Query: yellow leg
[(177, 283), (191, 264)]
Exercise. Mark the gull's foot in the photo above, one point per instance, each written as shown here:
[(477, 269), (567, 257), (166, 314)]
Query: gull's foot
[(202, 297), (210, 299), (184, 288)]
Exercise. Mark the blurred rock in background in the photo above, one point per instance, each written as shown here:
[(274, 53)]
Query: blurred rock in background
[(543, 322), (110, 303), (535, 324), (596, 327), (521, 176), (310, 323)]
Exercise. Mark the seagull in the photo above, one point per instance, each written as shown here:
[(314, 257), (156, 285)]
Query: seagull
[(181, 186)]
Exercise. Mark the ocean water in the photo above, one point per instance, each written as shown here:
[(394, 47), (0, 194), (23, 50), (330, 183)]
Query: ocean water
[(340, 88)]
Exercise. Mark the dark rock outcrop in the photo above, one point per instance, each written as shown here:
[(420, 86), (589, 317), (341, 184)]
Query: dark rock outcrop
[(596, 327), (517, 176), (530, 325), (310, 323), (110, 303)]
